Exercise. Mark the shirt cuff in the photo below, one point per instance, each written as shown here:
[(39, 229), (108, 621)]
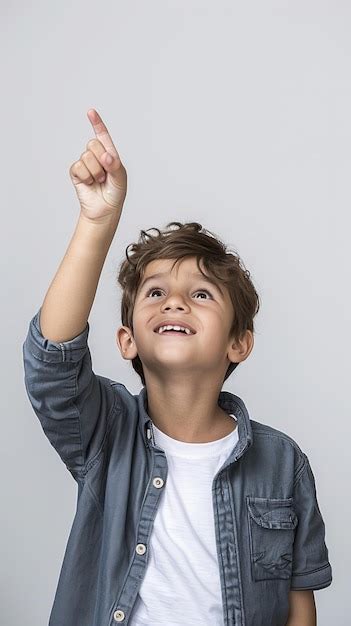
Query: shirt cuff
[(312, 580), (51, 351)]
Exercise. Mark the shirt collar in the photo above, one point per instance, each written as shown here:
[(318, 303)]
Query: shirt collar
[(228, 401)]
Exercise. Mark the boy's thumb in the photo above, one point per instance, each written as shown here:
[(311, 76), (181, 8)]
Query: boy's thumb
[(108, 158), (113, 165), (115, 168)]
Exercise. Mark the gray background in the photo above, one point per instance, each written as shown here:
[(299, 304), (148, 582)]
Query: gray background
[(236, 115)]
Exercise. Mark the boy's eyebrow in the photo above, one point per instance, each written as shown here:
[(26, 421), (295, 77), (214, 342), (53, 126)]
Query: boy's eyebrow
[(195, 274)]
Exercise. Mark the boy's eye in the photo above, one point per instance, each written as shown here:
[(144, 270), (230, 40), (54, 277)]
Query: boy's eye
[(204, 291), (153, 289)]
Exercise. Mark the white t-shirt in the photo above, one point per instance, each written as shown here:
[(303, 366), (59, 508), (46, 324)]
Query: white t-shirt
[(181, 583)]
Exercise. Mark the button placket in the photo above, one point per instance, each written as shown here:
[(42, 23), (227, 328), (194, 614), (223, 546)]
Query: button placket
[(157, 482), (140, 548)]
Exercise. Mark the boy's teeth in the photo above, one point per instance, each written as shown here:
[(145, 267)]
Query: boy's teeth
[(171, 327)]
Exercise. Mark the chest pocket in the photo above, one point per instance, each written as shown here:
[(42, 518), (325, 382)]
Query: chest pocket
[(272, 524)]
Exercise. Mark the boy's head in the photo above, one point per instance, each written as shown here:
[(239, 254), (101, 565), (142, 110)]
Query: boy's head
[(200, 285)]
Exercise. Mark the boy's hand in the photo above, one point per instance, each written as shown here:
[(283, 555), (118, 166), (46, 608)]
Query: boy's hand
[(99, 200)]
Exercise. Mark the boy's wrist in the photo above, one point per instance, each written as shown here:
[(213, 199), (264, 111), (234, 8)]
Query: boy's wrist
[(96, 234), (107, 221)]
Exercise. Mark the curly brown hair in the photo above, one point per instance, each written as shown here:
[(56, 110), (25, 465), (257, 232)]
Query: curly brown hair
[(190, 239)]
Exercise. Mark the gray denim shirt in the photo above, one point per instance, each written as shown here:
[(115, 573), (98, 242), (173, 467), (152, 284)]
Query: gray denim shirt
[(270, 534)]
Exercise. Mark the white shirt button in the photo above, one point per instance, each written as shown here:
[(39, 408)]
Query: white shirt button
[(157, 482), (118, 616), (141, 548)]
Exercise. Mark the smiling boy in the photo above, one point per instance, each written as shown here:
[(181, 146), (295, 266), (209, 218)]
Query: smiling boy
[(188, 511), (184, 372)]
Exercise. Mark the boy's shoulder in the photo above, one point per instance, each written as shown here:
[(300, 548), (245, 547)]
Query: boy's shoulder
[(259, 428), (126, 401), (277, 439)]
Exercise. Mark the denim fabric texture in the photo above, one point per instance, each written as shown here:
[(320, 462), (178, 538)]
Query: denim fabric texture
[(270, 533)]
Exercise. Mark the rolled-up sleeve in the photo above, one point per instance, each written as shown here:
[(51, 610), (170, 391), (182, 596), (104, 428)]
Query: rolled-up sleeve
[(72, 403), (310, 568)]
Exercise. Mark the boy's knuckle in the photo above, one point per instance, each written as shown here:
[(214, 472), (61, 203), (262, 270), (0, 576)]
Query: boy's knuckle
[(74, 167), (93, 144), (85, 156)]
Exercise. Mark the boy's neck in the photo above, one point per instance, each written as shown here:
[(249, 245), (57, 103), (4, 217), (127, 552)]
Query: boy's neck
[(187, 414)]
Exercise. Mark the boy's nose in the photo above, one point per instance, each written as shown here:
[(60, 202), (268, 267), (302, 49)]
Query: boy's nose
[(174, 301)]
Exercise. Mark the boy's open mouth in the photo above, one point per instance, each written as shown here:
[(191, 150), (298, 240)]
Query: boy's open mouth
[(172, 328)]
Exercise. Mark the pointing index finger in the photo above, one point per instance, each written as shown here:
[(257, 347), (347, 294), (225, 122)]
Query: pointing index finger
[(101, 131)]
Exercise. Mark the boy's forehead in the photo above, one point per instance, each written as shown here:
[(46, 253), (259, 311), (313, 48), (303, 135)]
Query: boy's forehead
[(188, 265), (166, 264)]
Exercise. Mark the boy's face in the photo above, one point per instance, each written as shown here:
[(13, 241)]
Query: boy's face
[(182, 296)]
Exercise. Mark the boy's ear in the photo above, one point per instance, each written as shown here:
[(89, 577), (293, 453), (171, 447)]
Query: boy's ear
[(240, 349), (126, 343)]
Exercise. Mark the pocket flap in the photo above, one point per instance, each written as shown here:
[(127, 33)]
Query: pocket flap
[(272, 512)]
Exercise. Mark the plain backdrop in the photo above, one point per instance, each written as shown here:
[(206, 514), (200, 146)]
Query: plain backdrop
[(232, 114)]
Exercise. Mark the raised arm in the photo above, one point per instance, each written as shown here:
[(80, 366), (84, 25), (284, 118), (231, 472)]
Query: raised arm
[(73, 404)]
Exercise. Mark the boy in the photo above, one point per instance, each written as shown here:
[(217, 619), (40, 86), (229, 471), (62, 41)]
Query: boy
[(188, 511)]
